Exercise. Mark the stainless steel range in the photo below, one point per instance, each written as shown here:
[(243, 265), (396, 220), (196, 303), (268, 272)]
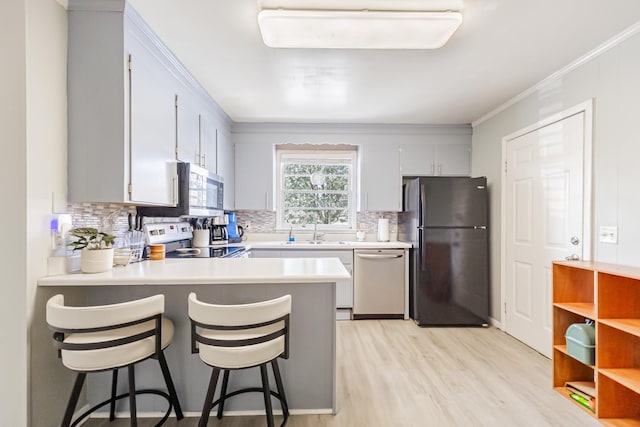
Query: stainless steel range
[(176, 236)]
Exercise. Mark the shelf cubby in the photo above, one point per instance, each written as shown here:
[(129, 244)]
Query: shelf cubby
[(609, 295)]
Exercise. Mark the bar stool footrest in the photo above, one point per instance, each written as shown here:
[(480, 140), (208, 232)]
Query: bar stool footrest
[(122, 396)]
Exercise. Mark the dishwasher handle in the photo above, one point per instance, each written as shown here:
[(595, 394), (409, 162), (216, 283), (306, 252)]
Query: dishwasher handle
[(372, 256)]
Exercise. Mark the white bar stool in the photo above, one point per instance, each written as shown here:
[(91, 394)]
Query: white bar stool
[(232, 337), (109, 337)]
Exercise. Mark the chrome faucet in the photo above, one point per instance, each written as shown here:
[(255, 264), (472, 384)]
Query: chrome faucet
[(315, 230), (316, 236)]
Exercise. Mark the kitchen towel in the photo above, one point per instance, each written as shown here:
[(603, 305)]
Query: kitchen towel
[(383, 230)]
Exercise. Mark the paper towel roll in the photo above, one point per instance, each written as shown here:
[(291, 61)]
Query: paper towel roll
[(383, 230)]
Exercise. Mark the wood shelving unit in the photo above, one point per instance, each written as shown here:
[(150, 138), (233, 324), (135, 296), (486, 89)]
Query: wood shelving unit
[(609, 295)]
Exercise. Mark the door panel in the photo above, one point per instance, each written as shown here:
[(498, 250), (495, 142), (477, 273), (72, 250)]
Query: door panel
[(544, 209), (453, 277), (454, 202)]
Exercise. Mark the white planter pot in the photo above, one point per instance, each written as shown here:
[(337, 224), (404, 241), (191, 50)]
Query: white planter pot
[(96, 260)]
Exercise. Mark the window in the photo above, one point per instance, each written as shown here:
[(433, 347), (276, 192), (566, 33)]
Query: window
[(316, 186)]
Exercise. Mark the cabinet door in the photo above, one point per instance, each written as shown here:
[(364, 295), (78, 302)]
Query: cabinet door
[(152, 127), (381, 180), (344, 288), (208, 142), (226, 167), (188, 143), (254, 176), (453, 159), (417, 159), (265, 253)]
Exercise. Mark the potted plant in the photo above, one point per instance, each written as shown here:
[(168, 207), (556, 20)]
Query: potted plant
[(96, 247)]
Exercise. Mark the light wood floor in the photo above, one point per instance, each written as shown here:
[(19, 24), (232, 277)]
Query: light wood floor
[(392, 373)]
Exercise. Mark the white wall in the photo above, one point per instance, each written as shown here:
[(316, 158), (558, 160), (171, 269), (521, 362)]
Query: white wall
[(612, 79), (281, 133), (33, 123), (13, 358), (46, 154)]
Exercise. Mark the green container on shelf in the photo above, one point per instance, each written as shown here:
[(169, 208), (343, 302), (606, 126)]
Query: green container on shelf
[(581, 342)]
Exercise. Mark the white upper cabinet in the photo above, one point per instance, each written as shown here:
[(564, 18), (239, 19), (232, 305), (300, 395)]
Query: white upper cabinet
[(197, 127), (225, 166), (435, 159), (417, 159), (188, 135), (254, 176), (208, 142), (152, 126), (381, 185), (121, 117), (453, 159), (130, 120)]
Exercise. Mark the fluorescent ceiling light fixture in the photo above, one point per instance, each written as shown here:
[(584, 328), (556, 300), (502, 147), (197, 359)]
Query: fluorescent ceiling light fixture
[(361, 29)]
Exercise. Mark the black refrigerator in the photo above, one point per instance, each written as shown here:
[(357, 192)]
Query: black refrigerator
[(446, 221)]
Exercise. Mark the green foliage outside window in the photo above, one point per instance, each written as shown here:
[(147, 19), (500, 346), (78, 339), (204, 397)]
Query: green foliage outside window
[(306, 203)]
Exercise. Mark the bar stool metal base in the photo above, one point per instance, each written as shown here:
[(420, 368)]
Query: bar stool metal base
[(264, 390), (126, 395)]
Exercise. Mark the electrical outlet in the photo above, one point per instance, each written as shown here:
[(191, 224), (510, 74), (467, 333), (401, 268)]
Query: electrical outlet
[(247, 225)]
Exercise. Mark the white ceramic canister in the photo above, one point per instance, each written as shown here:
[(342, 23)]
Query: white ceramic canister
[(201, 238)]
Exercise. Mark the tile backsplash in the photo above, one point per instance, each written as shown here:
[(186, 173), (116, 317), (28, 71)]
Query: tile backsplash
[(265, 221), (112, 218)]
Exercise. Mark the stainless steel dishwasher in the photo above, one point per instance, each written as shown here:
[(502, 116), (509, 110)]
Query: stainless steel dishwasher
[(379, 284)]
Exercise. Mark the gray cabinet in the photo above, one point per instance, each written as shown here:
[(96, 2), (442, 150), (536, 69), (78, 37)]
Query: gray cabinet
[(121, 113), (435, 159), (344, 288), (381, 180), (254, 176), (225, 166)]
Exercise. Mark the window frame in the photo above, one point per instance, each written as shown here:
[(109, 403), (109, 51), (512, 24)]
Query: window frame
[(319, 155)]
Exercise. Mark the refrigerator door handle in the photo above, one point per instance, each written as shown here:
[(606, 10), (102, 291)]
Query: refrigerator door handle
[(479, 227)]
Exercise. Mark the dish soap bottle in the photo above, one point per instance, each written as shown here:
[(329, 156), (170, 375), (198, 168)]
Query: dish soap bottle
[(291, 238)]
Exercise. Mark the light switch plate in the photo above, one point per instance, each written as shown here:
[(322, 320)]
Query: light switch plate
[(608, 234)]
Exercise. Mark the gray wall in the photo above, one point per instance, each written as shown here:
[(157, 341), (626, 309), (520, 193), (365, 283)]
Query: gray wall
[(13, 361), (33, 185), (612, 79)]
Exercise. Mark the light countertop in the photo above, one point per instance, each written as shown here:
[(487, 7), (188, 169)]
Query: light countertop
[(210, 271), (325, 244)]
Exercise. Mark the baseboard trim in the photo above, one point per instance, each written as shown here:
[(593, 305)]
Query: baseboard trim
[(494, 322)]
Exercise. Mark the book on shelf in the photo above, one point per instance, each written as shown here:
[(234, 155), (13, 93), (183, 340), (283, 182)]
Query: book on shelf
[(587, 403), (584, 388), (583, 392)]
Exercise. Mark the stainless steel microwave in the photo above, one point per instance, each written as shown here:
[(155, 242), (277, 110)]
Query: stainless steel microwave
[(200, 193)]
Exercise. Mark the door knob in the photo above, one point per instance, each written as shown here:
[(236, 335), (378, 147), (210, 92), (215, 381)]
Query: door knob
[(572, 257), (575, 241)]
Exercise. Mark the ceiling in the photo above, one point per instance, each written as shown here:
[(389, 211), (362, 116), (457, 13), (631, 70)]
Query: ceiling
[(502, 48)]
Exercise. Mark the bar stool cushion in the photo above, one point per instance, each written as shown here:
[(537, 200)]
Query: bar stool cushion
[(121, 355)]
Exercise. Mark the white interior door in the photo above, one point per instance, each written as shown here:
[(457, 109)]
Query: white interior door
[(544, 222)]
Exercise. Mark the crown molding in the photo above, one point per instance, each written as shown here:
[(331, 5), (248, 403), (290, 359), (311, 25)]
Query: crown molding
[(604, 47)]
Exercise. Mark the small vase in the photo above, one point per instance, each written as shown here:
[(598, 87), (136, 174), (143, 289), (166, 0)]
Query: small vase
[(96, 260)]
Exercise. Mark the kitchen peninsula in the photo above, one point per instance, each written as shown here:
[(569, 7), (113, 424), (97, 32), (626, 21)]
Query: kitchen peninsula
[(310, 282)]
